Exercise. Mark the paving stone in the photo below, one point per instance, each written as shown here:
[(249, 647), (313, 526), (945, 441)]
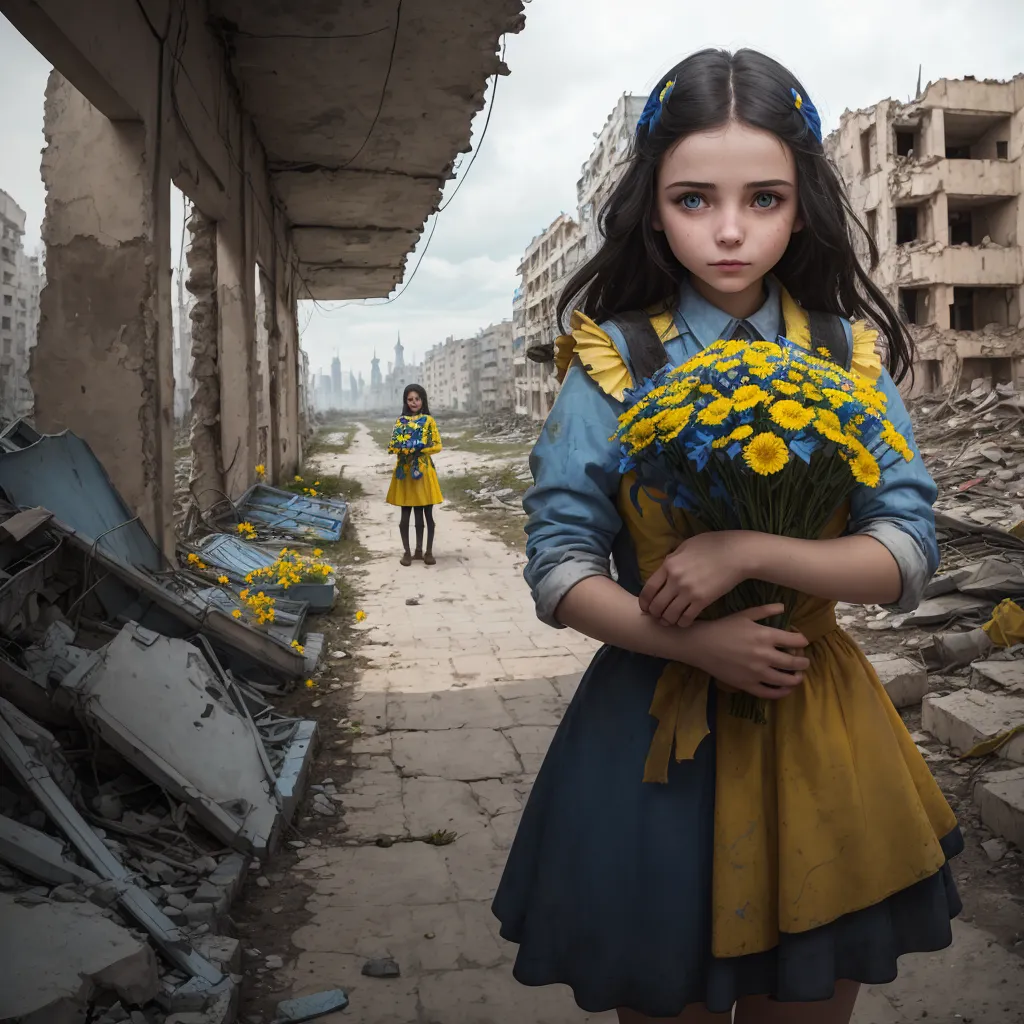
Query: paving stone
[(478, 707), (966, 718), (441, 804), (531, 743), (462, 754)]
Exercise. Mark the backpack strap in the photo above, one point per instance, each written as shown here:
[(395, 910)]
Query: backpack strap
[(647, 353), (831, 332)]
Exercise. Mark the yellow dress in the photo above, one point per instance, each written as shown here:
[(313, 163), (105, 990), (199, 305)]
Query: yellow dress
[(830, 807), (414, 481)]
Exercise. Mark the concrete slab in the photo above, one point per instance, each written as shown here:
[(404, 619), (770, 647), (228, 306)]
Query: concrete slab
[(461, 754), (477, 707), (905, 681), (1000, 800), (207, 752), (55, 956), (966, 718)]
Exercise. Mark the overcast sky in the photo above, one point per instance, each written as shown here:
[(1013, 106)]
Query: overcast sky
[(569, 66)]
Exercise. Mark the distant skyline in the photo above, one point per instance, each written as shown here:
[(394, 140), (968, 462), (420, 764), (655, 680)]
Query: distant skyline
[(568, 68)]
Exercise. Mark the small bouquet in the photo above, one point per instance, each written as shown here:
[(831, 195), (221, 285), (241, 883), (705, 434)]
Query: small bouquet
[(410, 436), (759, 436)]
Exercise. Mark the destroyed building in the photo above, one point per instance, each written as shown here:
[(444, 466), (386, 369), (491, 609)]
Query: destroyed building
[(20, 281), (145, 768), (938, 185)]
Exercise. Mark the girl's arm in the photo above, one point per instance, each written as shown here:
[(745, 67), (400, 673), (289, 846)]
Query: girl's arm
[(887, 556), (573, 523), (433, 445)]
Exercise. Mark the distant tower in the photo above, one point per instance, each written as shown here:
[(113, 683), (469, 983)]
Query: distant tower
[(336, 379), (376, 380), (399, 353)]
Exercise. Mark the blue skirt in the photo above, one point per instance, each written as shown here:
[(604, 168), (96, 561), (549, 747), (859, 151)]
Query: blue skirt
[(607, 888)]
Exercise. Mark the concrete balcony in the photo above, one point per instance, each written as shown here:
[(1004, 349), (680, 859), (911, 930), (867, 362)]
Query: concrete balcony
[(968, 266), (970, 179)]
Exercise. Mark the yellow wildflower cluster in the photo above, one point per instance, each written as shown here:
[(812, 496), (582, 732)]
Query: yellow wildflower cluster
[(260, 606), (246, 530), (196, 562), (261, 470), (290, 567)]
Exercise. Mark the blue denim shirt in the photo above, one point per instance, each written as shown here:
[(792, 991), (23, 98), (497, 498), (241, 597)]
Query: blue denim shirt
[(574, 528)]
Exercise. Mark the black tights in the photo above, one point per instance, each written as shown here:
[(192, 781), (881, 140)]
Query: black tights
[(403, 526)]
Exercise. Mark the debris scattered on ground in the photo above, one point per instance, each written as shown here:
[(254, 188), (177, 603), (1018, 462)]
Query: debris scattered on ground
[(384, 967), (144, 765), (294, 1011)]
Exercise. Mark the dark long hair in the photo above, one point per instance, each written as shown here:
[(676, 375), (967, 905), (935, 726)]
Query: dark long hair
[(425, 411), (635, 268)]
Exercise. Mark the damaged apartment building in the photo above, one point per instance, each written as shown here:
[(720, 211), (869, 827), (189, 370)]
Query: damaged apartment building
[(938, 185), (145, 767)]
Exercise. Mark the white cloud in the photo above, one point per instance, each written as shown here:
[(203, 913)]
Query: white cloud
[(569, 67)]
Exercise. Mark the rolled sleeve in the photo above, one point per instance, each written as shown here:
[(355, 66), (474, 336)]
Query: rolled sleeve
[(573, 518), (898, 513)]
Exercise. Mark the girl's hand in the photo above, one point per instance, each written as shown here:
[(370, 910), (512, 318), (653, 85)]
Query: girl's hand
[(742, 653), (699, 572)]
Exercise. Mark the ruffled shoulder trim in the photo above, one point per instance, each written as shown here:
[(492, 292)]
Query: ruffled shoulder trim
[(597, 353), (866, 360)]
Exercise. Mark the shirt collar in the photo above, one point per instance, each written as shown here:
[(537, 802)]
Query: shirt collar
[(707, 323)]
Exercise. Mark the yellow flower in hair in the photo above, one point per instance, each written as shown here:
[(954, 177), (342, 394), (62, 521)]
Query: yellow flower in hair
[(665, 91), (766, 453)]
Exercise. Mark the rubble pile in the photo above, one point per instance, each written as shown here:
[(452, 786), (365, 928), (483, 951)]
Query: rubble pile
[(957, 660), (145, 767), (508, 428)]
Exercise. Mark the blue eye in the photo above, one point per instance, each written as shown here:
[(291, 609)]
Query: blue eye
[(765, 200), (691, 201)]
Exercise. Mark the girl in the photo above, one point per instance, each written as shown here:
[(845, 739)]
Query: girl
[(414, 486), (675, 861)]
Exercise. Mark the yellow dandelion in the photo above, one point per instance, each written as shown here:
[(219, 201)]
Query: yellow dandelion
[(765, 348), (318, 552), (748, 396), (896, 441), (791, 415), (811, 393), (236, 614), (708, 389), (310, 684), (728, 364), (784, 387), (671, 422), (766, 453), (193, 558), (640, 435), (360, 616), (297, 478), (864, 466), (760, 370), (732, 348), (223, 579), (741, 433), (827, 424), (836, 398), (715, 412), (261, 470)]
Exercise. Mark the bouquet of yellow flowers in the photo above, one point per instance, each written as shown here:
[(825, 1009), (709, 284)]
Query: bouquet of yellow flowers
[(411, 435), (761, 436)]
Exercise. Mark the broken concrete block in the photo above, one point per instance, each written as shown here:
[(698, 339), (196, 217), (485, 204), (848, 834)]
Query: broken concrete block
[(295, 1011), (1008, 674), (208, 893), (53, 957), (200, 913), (274, 962), (221, 949), (38, 855), (1000, 800), (905, 681), (383, 967), (995, 849), (229, 875), (206, 751), (966, 718)]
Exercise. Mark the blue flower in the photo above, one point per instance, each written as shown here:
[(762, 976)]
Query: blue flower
[(699, 451)]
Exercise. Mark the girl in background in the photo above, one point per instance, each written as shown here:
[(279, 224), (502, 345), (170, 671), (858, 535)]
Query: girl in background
[(414, 485)]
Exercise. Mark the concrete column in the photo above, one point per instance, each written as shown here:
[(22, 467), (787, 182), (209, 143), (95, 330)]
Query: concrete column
[(939, 214), (237, 360), (103, 365), (933, 135), (288, 428), (942, 296)]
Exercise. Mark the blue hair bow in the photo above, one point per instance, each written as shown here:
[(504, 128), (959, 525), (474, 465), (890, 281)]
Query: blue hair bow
[(808, 112), (652, 108)]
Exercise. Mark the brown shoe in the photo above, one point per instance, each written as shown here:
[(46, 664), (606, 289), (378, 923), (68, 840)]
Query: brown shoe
[(428, 559), (406, 559)]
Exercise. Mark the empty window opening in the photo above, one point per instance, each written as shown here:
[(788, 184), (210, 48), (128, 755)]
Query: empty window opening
[(867, 139), (913, 305), (906, 224), (928, 376), (959, 152), (906, 142), (961, 227), (1002, 149), (961, 310), (994, 370)]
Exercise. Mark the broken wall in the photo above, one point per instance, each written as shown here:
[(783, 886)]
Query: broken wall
[(127, 113)]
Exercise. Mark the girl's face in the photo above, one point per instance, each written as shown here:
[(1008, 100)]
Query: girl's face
[(727, 203), (414, 402)]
